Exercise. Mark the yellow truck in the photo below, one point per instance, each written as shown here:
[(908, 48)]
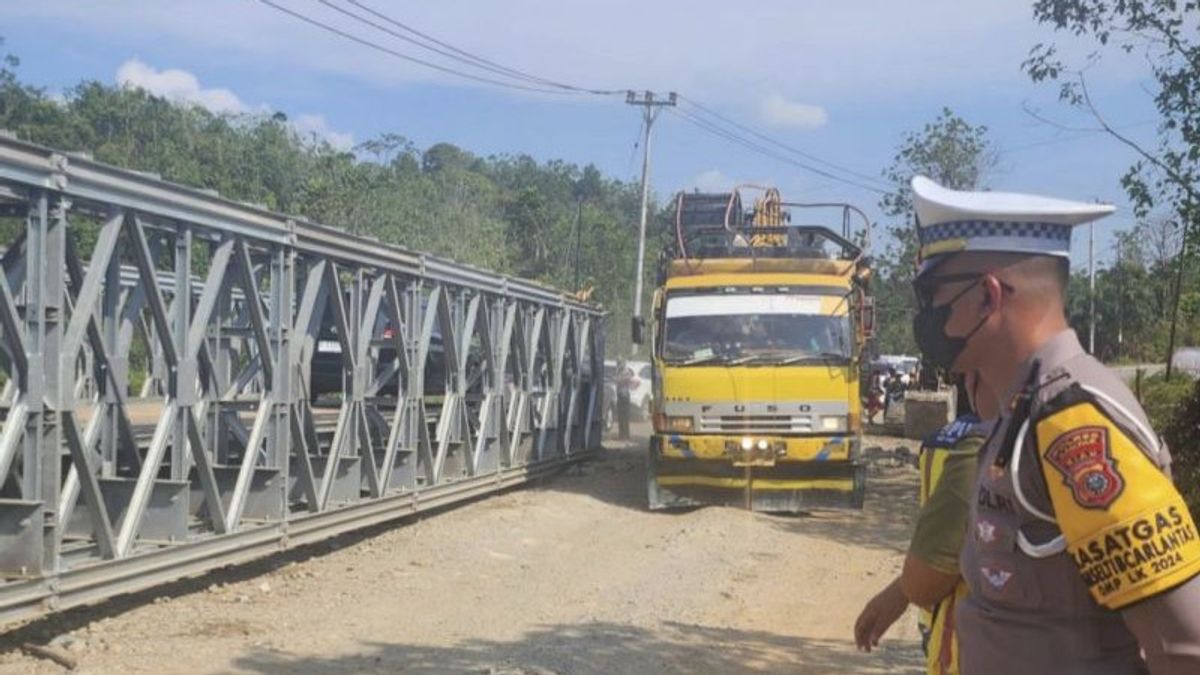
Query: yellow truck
[(758, 325)]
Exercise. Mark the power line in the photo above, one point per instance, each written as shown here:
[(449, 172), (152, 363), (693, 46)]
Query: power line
[(753, 146), (1074, 136), (773, 141), (450, 55), (712, 122), (464, 56), (406, 57)]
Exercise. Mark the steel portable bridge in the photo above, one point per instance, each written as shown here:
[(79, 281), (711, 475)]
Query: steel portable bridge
[(220, 304)]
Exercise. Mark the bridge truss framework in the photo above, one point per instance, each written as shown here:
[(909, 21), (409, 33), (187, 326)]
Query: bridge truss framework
[(240, 462)]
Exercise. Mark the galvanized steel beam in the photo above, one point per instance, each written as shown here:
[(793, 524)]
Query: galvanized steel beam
[(224, 308)]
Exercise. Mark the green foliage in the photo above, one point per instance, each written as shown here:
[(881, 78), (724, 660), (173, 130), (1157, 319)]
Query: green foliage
[(1162, 398), (1174, 409), (511, 214), (1134, 297), (957, 155), (1164, 33)]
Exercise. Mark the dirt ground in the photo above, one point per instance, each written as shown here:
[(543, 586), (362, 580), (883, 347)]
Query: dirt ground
[(570, 576)]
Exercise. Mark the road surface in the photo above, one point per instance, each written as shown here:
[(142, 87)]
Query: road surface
[(569, 576)]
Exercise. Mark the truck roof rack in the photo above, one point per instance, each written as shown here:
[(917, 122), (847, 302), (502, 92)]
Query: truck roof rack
[(715, 225)]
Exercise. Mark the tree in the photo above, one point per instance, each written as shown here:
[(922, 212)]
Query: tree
[(1164, 33), (952, 152), (511, 214), (589, 186), (443, 156)]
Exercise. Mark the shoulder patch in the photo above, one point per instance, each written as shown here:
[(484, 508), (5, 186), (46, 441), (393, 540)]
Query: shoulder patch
[(1127, 527), (1084, 458), (963, 427)]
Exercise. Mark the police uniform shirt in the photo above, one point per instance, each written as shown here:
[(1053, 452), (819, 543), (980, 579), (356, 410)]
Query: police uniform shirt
[(1078, 527)]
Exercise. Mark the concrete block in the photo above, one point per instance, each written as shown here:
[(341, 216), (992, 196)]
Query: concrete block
[(927, 411)]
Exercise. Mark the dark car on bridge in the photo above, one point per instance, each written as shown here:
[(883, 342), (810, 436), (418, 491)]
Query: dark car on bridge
[(327, 374)]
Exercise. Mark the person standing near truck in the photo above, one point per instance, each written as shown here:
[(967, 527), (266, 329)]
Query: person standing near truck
[(930, 578), (624, 388)]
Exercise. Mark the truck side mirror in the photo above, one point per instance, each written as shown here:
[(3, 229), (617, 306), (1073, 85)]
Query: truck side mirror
[(866, 317), (638, 325)]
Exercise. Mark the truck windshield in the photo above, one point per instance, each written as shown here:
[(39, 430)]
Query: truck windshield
[(759, 329)]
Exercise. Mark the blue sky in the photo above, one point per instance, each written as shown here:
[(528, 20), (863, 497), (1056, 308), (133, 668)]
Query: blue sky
[(842, 81)]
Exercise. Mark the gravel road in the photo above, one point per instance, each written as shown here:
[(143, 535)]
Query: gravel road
[(570, 576)]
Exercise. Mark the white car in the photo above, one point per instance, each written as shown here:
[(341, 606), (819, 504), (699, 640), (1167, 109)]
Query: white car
[(640, 394)]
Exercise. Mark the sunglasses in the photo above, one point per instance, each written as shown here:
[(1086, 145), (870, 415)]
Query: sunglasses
[(927, 287)]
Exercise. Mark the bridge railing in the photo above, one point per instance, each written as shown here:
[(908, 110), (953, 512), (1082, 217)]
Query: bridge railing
[(227, 308)]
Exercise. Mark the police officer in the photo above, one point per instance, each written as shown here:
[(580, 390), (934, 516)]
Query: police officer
[(1080, 556)]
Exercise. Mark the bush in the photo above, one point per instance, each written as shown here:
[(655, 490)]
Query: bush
[(1162, 399), (1174, 410)]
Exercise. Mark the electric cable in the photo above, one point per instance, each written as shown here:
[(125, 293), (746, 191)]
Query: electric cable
[(751, 145), (773, 141), (406, 57), (473, 59)]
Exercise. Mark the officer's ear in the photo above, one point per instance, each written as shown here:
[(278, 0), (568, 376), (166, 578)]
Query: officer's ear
[(993, 291)]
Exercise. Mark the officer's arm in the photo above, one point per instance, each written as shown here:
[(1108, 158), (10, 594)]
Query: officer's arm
[(1127, 529), (1167, 626)]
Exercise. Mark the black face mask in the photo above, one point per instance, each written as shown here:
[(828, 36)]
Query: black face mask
[(929, 329)]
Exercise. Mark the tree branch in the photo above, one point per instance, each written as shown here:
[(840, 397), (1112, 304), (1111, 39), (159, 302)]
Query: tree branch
[(1053, 123), (1153, 159)]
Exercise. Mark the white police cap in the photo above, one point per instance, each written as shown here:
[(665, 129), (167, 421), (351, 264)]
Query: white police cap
[(953, 221)]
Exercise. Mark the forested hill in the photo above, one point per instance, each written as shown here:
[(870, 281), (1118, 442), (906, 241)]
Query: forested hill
[(507, 213)]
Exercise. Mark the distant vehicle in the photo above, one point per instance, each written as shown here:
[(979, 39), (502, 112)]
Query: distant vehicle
[(327, 362), (1187, 360), (897, 362), (641, 393)]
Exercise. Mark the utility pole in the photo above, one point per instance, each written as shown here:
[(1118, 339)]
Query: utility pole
[(1183, 252), (1092, 289), (1120, 299), (651, 106), (578, 222)]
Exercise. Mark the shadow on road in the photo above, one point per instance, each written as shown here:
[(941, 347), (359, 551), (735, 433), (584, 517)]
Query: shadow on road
[(618, 477), (604, 648), (885, 522)]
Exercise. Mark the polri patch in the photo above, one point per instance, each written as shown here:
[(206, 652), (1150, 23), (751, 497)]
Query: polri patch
[(1085, 460), (985, 531), (997, 577)]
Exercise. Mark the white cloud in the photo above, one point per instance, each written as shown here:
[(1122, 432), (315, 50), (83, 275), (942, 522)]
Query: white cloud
[(182, 86), (712, 181), (179, 86), (777, 111), (317, 125)]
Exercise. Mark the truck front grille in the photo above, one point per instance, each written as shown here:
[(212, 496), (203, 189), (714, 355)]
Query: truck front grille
[(756, 424)]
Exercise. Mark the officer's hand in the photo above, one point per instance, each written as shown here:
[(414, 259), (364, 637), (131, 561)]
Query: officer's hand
[(878, 615)]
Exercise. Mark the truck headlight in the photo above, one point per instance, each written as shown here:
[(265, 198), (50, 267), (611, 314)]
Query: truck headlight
[(680, 424), (833, 423)]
